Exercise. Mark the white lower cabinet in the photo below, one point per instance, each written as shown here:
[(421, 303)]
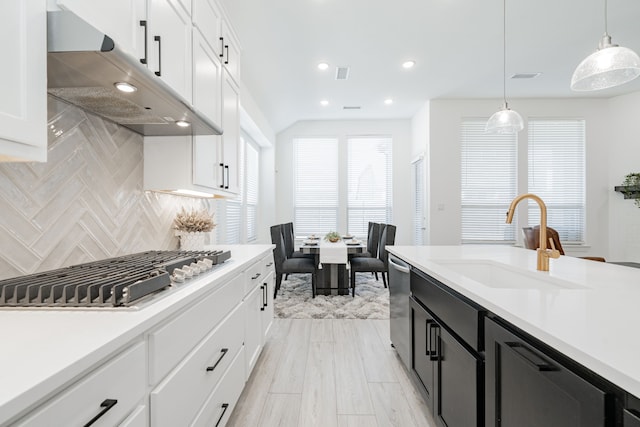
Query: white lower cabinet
[(253, 328), (138, 418), (179, 396), (107, 395)]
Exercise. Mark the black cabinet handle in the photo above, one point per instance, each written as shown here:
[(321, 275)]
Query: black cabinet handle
[(222, 168), (224, 409), (427, 350), (262, 308), (536, 361), (226, 168), (266, 294), (144, 24), (221, 47), (226, 47), (270, 264), (256, 276), (435, 348), (159, 72), (106, 405), (224, 353)]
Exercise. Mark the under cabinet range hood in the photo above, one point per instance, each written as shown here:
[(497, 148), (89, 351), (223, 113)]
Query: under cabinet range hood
[(84, 66)]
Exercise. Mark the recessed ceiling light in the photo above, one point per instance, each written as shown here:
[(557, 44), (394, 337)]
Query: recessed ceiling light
[(183, 123), (323, 66), (388, 101), (324, 102), (408, 64), (125, 87)]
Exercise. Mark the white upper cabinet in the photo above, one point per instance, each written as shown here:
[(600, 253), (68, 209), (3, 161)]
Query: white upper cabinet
[(207, 78), (169, 44), (207, 18), (231, 135), (23, 81), (231, 54), (120, 21)]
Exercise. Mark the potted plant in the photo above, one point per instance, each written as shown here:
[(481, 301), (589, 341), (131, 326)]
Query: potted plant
[(191, 227), (631, 187), (332, 236)]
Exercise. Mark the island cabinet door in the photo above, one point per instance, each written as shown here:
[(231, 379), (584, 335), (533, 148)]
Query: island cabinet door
[(526, 387), (458, 375), (421, 360)]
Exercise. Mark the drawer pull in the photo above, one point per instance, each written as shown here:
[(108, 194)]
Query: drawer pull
[(144, 24), (224, 409), (538, 362), (256, 276), (107, 404), (224, 352), (264, 296), (159, 72), (270, 264)]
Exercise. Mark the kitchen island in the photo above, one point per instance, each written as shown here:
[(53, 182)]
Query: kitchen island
[(584, 310), (55, 356)]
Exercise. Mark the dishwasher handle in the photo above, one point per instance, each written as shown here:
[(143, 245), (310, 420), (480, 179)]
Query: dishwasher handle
[(398, 266)]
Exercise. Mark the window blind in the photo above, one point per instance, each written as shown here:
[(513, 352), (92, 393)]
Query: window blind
[(488, 183), (230, 217), (556, 155), (251, 195), (315, 181), (369, 176), (418, 201)]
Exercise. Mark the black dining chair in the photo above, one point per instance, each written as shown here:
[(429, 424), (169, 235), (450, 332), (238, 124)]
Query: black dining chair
[(373, 236), (289, 242), (375, 265), (285, 265)]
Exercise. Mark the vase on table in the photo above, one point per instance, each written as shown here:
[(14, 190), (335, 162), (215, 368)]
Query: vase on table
[(192, 240)]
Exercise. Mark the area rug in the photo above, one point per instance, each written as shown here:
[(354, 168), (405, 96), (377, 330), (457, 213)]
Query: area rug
[(294, 300)]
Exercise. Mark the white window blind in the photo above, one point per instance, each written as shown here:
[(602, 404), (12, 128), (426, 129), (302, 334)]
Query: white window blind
[(251, 195), (315, 185), (557, 174), (417, 169), (369, 176), (488, 183)]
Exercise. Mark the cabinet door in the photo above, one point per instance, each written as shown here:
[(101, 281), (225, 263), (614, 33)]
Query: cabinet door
[(207, 78), (525, 387), (267, 311), (253, 327), (231, 54), (207, 18), (421, 346), (231, 135), (169, 44), (207, 171), (23, 81), (458, 372)]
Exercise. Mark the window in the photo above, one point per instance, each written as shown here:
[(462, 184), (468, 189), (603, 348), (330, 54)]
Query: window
[(488, 183), (315, 185), (369, 182), (417, 172), (237, 216), (557, 174)]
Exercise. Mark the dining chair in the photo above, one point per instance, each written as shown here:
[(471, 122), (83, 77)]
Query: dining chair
[(532, 241), (373, 236), (289, 242), (285, 265), (375, 265)]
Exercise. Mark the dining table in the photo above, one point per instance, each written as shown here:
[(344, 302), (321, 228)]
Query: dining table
[(332, 259)]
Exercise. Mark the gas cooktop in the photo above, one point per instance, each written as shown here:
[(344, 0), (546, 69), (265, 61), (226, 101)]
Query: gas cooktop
[(113, 282)]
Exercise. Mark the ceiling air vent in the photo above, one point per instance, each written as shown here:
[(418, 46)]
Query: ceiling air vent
[(525, 75), (351, 107), (342, 73)]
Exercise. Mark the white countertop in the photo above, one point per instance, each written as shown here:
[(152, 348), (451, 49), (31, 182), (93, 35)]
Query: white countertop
[(42, 349), (594, 323)]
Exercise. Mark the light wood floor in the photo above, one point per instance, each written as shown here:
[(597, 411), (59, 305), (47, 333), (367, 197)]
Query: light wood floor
[(328, 373)]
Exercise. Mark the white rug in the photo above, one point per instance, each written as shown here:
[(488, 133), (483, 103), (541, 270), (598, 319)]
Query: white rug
[(294, 300)]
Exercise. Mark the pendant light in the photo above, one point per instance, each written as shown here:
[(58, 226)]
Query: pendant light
[(609, 66), (506, 120)]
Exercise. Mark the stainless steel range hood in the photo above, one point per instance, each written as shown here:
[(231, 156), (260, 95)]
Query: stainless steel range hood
[(83, 66)]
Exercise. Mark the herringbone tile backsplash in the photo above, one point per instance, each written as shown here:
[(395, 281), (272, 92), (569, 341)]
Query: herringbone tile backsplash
[(86, 202)]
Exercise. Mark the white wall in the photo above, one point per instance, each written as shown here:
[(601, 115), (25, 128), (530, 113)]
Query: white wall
[(400, 131), (420, 147), (444, 162), (623, 143)]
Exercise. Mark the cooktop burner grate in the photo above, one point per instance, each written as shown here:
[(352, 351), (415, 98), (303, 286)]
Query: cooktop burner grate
[(112, 282)]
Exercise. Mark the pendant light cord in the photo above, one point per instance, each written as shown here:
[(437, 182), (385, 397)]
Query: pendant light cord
[(605, 17), (504, 52)]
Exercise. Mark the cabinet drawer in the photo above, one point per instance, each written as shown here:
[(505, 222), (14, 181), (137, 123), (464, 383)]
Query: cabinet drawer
[(456, 312), (138, 418), (177, 399), (219, 406), (253, 276), (172, 341), (269, 265), (631, 419), (121, 379)]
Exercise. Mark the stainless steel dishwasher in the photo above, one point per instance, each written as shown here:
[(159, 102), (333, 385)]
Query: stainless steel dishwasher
[(399, 311)]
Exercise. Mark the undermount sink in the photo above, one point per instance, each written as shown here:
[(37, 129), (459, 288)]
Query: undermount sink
[(496, 275)]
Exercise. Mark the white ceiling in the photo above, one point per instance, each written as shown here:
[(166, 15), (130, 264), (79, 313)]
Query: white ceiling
[(457, 46)]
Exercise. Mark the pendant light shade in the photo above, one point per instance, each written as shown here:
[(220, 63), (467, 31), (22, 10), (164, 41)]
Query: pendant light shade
[(505, 120), (609, 66)]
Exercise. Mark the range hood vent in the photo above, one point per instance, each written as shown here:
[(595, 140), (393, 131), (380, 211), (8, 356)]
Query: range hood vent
[(83, 66)]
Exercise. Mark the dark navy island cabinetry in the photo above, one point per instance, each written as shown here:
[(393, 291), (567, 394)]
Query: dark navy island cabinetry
[(477, 370)]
